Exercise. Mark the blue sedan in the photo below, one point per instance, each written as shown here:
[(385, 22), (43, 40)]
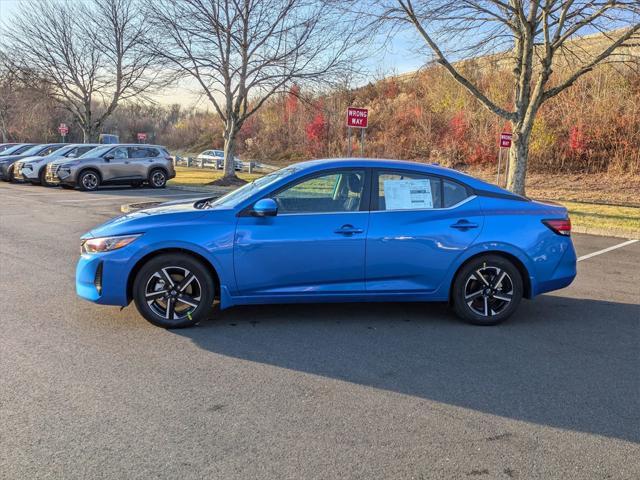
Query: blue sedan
[(333, 231)]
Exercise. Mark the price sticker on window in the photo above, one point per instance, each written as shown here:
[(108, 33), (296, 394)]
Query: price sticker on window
[(407, 194)]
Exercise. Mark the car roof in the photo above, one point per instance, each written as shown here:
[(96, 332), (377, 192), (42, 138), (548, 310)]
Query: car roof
[(434, 169)]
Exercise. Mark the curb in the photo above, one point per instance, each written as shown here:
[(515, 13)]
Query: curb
[(202, 189)]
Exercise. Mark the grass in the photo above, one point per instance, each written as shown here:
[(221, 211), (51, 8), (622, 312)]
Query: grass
[(605, 218), (195, 177)]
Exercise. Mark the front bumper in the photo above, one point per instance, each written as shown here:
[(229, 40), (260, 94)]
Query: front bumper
[(102, 278), (56, 175), (26, 171)]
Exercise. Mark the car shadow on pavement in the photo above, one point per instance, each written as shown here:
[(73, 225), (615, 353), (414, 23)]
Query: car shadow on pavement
[(561, 362)]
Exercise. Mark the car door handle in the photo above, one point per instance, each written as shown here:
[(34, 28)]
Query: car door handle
[(464, 225), (348, 230)]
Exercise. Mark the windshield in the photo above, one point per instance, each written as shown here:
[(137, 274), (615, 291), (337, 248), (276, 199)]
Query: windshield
[(16, 149), (61, 152), (241, 194), (6, 147), (96, 152), (33, 151)]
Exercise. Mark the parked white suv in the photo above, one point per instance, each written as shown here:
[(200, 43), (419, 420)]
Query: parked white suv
[(34, 169), (216, 157)]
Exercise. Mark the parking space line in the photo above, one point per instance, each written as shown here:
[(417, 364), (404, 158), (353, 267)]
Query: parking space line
[(605, 250)]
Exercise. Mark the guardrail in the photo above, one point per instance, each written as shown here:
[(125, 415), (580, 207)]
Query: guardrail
[(218, 164)]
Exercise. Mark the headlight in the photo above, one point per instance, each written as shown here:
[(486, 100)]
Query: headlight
[(106, 244)]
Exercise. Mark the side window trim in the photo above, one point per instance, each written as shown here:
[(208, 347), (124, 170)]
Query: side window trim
[(375, 194)]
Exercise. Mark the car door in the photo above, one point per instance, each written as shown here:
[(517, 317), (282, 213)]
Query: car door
[(116, 167), (140, 159), (314, 245), (419, 225)]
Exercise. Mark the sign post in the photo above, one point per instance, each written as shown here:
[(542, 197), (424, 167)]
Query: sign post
[(64, 130), (505, 142), (142, 137), (357, 118)]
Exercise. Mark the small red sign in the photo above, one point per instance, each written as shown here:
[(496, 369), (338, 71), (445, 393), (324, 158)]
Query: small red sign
[(142, 137), (63, 129), (357, 117), (505, 139)]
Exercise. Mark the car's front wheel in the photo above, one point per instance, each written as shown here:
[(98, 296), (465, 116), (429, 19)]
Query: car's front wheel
[(158, 178), (89, 181), (174, 291), (487, 290), (42, 176)]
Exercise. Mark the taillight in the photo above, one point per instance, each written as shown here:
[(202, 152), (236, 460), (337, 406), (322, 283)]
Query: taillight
[(561, 226)]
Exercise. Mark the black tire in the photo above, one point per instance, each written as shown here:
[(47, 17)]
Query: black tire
[(89, 180), (42, 176), (487, 290), (157, 178), (10, 176), (154, 295), (67, 187)]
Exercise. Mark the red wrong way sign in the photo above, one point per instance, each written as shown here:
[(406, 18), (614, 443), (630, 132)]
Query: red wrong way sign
[(63, 129), (505, 139), (357, 117), (142, 136)]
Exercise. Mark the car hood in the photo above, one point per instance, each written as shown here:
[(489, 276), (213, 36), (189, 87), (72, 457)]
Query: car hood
[(77, 161), (34, 158), (175, 214), (12, 158)]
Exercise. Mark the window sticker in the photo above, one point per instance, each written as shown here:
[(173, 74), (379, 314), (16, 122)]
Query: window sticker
[(407, 194)]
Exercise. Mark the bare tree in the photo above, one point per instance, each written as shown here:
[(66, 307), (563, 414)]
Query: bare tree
[(242, 52), (89, 54), (536, 38), (7, 94)]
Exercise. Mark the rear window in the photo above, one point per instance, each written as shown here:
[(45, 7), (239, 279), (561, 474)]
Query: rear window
[(453, 193), (416, 191)]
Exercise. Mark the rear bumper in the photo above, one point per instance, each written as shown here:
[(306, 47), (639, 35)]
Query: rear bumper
[(562, 276)]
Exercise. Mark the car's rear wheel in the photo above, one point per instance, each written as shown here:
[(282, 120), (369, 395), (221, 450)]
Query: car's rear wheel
[(487, 290), (174, 291), (89, 181), (158, 178)]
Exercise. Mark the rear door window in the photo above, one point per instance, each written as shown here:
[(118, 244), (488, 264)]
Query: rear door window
[(408, 191)]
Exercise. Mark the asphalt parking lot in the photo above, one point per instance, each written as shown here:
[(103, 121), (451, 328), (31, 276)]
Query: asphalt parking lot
[(402, 391)]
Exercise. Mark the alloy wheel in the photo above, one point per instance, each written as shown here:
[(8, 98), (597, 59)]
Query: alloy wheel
[(158, 179), (488, 291), (173, 293), (90, 181)]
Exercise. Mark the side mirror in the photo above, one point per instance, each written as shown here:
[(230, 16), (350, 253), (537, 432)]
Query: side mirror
[(108, 158), (267, 207)]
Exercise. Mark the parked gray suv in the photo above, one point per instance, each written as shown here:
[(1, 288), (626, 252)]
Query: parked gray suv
[(133, 164)]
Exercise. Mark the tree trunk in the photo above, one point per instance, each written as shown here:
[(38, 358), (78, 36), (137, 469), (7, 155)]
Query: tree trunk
[(230, 132), (518, 157)]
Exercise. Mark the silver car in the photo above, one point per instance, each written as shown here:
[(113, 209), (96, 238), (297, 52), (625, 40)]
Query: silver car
[(7, 172), (34, 169), (132, 164)]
